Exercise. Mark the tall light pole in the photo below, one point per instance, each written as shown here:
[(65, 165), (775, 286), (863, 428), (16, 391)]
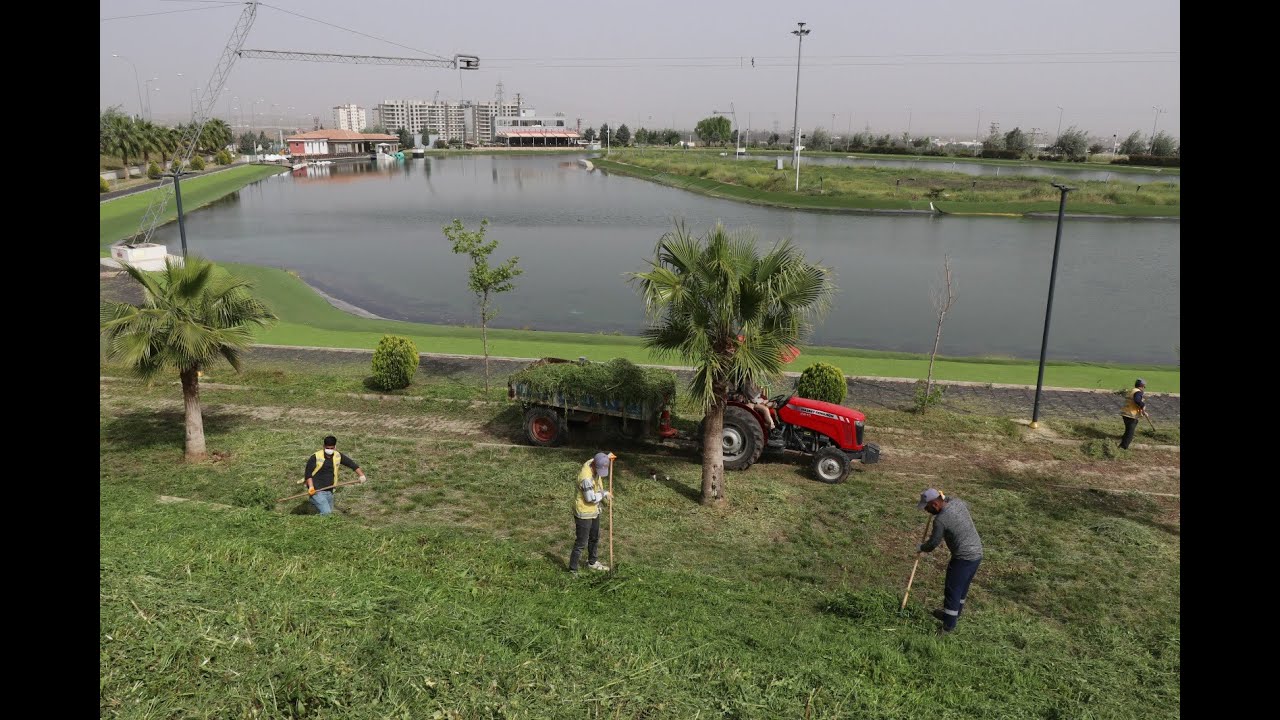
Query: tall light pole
[(1157, 110), (147, 84), (799, 32), (1059, 135), (1048, 309), (977, 138), (136, 83)]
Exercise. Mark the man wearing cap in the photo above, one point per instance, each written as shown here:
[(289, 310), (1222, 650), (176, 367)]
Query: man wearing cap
[(321, 473), (1135, 406), (588, 495), (952, 522)]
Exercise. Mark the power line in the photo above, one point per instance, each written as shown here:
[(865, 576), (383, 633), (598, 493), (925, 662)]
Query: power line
[(357, 32), (896, 55), (166, 12), (734, 66)]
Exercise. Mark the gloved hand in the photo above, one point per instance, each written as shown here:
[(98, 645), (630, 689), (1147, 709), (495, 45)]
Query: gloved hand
[(311, 491), (364, 478), (608, 495)]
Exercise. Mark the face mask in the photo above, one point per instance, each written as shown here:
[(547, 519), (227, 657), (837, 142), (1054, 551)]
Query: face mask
[(328, 451)]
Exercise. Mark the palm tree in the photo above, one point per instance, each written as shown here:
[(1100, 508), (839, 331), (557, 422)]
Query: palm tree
[(191, 314), (118, 135), (717, 304)]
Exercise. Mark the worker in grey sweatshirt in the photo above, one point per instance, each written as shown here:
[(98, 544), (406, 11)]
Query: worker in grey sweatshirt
[(952, 523)]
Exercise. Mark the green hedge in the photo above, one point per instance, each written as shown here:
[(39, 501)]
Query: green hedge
[(395, 361), (103, 185), (153, 171), (821, 381)]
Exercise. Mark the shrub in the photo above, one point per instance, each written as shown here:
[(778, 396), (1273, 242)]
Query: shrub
[(441, 144), (821, 381), (153, 171), (103, 185), (1001, 154), (1150, 160), (197, 163), (925, 400), (223, 157), (394, 362)]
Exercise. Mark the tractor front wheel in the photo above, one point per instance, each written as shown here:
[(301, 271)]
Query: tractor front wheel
[(831, 465)]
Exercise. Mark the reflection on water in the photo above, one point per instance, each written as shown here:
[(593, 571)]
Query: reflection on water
[(371, 235)]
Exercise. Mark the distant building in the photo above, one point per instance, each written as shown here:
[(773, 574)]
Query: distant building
[(528, 130), (338, 143), (350, 117), (471, 123)]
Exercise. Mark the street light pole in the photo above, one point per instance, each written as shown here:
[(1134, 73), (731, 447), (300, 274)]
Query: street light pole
[(1157, 110), (136, 83), (1048, 309), (147, 84), (977, 129), (1059, 135), (799, 32)]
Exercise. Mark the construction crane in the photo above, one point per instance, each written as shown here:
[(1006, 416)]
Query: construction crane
[(186, 147), (458, 62), (233, 51)]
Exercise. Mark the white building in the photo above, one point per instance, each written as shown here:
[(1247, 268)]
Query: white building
[(529, 130), (467, 122), (349, 117)]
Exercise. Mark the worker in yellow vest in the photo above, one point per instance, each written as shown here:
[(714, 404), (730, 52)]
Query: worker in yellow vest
[(321, 474), (1135, 406), (589, 492)]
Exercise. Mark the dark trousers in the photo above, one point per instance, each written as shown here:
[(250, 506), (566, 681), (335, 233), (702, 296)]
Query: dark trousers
[(586, 535), (959, 574), (1130, 426)]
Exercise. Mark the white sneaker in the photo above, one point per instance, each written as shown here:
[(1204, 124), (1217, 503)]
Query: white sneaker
[(597, 565)]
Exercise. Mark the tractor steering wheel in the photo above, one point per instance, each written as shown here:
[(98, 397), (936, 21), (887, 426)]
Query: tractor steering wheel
[(779, 400)]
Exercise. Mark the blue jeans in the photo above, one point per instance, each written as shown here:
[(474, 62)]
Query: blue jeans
[(959, 574), (323, 500)]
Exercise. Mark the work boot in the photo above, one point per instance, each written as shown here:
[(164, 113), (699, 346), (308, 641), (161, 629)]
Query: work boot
[(597, 565), (941, 616), (943, 631)]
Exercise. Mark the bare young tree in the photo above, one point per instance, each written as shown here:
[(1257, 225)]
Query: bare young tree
[(943, 298)]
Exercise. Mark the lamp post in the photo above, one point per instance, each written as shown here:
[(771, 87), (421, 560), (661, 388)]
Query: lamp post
[(977, 129), (1157, 110), (799, 32), (1059, 135), (1048, 309), (137, 84), (147, 84)]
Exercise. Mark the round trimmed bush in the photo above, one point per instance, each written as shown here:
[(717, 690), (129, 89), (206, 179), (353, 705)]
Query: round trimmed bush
[(197, 163), (103, 185), (394, 362), (223, 157), (821, 381), (153, 171)]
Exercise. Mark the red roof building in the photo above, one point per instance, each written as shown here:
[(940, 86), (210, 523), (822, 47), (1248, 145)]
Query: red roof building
[(339, 143)]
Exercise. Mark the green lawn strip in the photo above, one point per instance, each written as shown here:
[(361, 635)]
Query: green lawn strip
[(308, 320), (857, 188), (119, 218), (940, 159), (441, 586)]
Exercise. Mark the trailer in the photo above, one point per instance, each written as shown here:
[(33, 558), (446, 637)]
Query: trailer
[(548, 415)]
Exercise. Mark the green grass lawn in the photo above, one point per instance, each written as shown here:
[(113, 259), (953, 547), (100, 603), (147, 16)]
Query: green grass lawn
[(860, 188), (307, 319), (439, 590), (119, 218)]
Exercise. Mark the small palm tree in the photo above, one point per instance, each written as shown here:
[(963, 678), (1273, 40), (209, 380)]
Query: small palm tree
[(191, 314), (717, 304)]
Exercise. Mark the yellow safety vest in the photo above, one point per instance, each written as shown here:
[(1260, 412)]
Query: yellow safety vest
[(1131, 408), (582, 508), (321, 457)]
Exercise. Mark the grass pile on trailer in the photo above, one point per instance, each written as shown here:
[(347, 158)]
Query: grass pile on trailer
[(555, 392)]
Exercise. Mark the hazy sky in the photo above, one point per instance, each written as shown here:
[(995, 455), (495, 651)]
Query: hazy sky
[(931, 66)]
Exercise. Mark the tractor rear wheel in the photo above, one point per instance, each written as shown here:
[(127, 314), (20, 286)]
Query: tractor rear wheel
[(544, 426), (742, 438)]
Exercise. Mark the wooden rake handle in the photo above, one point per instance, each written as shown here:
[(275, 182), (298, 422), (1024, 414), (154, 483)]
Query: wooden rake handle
[(915, 565), (302, 495)]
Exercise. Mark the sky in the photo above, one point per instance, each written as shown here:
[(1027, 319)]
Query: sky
[(928, 67)]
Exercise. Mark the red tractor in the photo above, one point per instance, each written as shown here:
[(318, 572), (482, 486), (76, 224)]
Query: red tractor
[(832, 434)]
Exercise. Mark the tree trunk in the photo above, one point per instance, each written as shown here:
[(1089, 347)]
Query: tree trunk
[(484, 339), (937, 338), (713, 454), (195, 421)]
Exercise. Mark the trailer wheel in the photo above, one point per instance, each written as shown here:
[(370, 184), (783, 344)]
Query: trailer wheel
[(544, 426), (831, 465)]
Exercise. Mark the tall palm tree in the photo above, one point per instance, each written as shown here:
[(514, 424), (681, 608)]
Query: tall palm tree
[(191, 314), (717, 304), (119, 136)]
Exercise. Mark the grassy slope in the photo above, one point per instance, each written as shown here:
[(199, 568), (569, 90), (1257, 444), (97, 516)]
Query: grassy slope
[(441, 591), (307, 319), (119, 218)]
